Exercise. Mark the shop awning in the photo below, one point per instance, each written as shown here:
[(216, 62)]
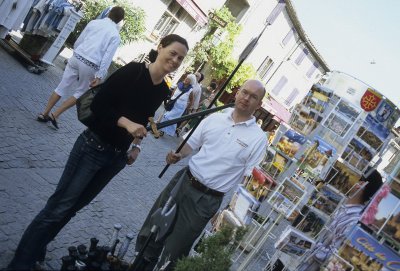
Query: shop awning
[(194, 10), (275, 108)]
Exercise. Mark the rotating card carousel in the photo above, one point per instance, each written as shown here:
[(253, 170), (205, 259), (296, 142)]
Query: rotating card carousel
[(317, 160)]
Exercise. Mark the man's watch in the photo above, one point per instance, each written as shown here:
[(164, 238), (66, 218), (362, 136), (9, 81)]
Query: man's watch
[(137, 146)]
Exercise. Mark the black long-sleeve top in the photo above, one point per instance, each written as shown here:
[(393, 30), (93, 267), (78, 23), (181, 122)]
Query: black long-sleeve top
[(128, 92)]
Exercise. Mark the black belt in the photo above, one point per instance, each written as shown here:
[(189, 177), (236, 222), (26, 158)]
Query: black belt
[(93, 135), (201, 187)]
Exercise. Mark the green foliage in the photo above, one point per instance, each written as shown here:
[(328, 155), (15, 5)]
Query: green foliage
[(215, 252), (220, 56), (132, 30)]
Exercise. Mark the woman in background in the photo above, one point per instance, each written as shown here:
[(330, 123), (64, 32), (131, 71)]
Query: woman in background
[(184, 101)]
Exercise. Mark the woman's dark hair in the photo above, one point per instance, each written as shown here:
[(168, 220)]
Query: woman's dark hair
[(167, 40), (213, 85), (374, 182), (171, 38), (116, 14), (201, 77), (153, 55)]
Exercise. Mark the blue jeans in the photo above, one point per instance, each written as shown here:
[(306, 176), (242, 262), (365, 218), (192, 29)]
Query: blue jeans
[(90, 166)]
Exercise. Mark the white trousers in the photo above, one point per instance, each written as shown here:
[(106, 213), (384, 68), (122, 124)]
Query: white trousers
[(76, 78)]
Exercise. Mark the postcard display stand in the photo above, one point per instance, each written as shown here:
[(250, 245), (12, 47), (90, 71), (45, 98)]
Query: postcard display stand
[(40, 50), (316, 161)]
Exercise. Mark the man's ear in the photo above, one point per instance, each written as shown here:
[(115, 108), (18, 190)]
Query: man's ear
[(237, 93)]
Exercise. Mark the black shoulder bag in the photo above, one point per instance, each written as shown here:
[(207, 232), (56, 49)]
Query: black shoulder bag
[(168, 105), (83, 103)]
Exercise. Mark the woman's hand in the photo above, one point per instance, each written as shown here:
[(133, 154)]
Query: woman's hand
[(95, 82), (133, 128), (132, 155)]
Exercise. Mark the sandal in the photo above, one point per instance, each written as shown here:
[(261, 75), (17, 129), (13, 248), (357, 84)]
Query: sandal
[(42, 118), (53, 121), (161, 133)]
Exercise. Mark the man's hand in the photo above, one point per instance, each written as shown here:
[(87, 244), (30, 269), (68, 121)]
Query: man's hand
[(132, 155), (173, 158), (95, 82)]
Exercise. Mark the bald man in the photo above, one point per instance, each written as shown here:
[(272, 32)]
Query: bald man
[(231, 144)]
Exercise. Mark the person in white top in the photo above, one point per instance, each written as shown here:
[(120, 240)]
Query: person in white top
[(93, 53), (196, 93), (231, 145)]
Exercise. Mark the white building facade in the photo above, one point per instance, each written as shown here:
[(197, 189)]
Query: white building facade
[(285, 59), (183, 17)]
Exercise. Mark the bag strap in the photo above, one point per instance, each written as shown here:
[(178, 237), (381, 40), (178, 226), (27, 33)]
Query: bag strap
[(178, 96)]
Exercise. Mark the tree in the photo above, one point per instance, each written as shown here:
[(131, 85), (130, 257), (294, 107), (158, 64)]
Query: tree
[(219, 55), (132, 30)]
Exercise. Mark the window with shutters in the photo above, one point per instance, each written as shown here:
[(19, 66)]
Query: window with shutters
[(281, 83), (301, 56), (312, 69), (289, 100), (169, 21), (288, 37), (265, 67)]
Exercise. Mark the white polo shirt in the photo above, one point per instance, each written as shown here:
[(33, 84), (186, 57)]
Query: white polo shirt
[(228, 151)]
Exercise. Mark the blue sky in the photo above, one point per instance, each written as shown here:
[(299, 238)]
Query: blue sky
[(350, 34)]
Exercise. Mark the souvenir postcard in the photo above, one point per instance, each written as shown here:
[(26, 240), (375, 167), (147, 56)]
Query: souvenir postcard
[(347, 110), (338, 124), (387, 217), (259, 185), (365, 253), (316, 156), (391, 227), (243, 204), (286, 197), (326, 200), (395, 188), (282, 204), (342, 178), (290, 143), (373, 132), (294, 242), (386, 113), (357, 155), (311, 222), (277, 166), (337, 263)]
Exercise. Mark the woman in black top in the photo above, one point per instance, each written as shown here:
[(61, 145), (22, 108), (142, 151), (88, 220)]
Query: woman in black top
[(122, 107)]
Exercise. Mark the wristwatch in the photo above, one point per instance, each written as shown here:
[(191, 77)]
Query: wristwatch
[(137, 146)]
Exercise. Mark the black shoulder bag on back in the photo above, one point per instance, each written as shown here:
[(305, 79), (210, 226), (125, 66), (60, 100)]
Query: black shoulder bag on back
[(83, 103)]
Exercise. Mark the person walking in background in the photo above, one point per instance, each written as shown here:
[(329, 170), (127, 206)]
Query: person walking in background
[(231, 145), (211, 89), (127, 99), (93, 53), (184, 100), (196, 93)]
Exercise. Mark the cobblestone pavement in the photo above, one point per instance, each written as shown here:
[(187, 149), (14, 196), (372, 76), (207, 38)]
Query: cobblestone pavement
[(32, 157)]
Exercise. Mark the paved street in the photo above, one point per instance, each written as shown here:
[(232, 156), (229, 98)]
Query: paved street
[(32, 157)]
